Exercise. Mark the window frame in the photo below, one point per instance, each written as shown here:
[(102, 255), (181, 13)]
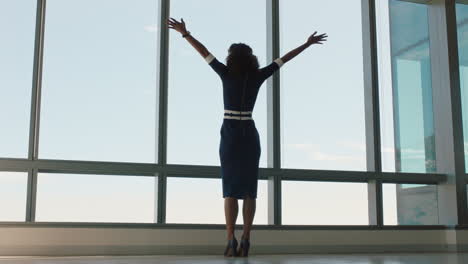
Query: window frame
[(374, 176)]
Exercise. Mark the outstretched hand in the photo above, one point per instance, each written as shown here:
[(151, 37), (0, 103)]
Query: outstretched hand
[(314, 39), (177, 26)]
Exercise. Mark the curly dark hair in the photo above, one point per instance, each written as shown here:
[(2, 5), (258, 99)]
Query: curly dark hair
[(241, 60)]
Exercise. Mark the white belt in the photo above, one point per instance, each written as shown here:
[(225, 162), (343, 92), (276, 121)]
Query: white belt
[(237, 112), (238, 115)]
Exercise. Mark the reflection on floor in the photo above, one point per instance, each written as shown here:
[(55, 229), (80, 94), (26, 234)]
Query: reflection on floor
[(423, 258)]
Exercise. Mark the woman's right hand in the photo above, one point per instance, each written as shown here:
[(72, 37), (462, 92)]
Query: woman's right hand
[(314, 39)]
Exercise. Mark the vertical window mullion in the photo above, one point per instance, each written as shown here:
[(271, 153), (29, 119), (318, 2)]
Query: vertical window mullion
[(273, 115), (163, 101), (35, 109), (372, 118)]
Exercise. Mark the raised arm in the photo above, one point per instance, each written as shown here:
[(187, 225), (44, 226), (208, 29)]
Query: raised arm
[(180, 27), (313, 39), (267, 71)]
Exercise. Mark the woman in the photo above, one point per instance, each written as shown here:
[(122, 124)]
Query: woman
[(239, 149)]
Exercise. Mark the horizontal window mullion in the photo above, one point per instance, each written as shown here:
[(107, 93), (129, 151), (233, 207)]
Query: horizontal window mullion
[(147, 169)]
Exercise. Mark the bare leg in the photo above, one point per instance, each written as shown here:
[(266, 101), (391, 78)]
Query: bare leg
[(231, 209), (248, 211)]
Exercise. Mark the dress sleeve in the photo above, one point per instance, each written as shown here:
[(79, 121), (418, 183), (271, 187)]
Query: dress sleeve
[(267, 71), (217, 66)]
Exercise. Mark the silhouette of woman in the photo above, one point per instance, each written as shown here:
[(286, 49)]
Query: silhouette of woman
[(239, 149)]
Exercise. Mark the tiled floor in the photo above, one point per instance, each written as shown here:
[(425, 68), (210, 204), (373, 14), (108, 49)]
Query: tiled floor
[(432, 258)]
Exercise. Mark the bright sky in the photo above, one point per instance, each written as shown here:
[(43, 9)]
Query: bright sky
[(99, 102)]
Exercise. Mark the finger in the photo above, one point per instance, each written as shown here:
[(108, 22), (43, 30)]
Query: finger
[(174, 20), (313, 35), (183, 22)]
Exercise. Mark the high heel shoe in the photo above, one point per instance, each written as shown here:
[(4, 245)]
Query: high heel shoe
[(231, 248), (244, 248)]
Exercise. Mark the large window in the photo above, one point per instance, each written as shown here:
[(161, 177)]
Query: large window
[(462, 30), (195, 90), (406, 110), (95, 198), (99, 69), (99, 81), (322, 91), (13, 186), (410, 204), (199, 201), (408, 143), (323, 203), (462, 27), (17, 24)]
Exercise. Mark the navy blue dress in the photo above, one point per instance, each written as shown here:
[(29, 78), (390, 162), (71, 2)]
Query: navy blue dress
[(239, 149)]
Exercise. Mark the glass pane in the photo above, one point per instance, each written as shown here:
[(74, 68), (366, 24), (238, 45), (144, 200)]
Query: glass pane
[(322, 90), (324, 203), (462, 27), (17, 24), (200, 201), (195, 90), (408, 143), (95, 198), (13, 191), (99, 87), (410, 204)]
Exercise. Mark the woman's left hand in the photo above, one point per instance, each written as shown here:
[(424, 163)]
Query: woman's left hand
[(177, 26)]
